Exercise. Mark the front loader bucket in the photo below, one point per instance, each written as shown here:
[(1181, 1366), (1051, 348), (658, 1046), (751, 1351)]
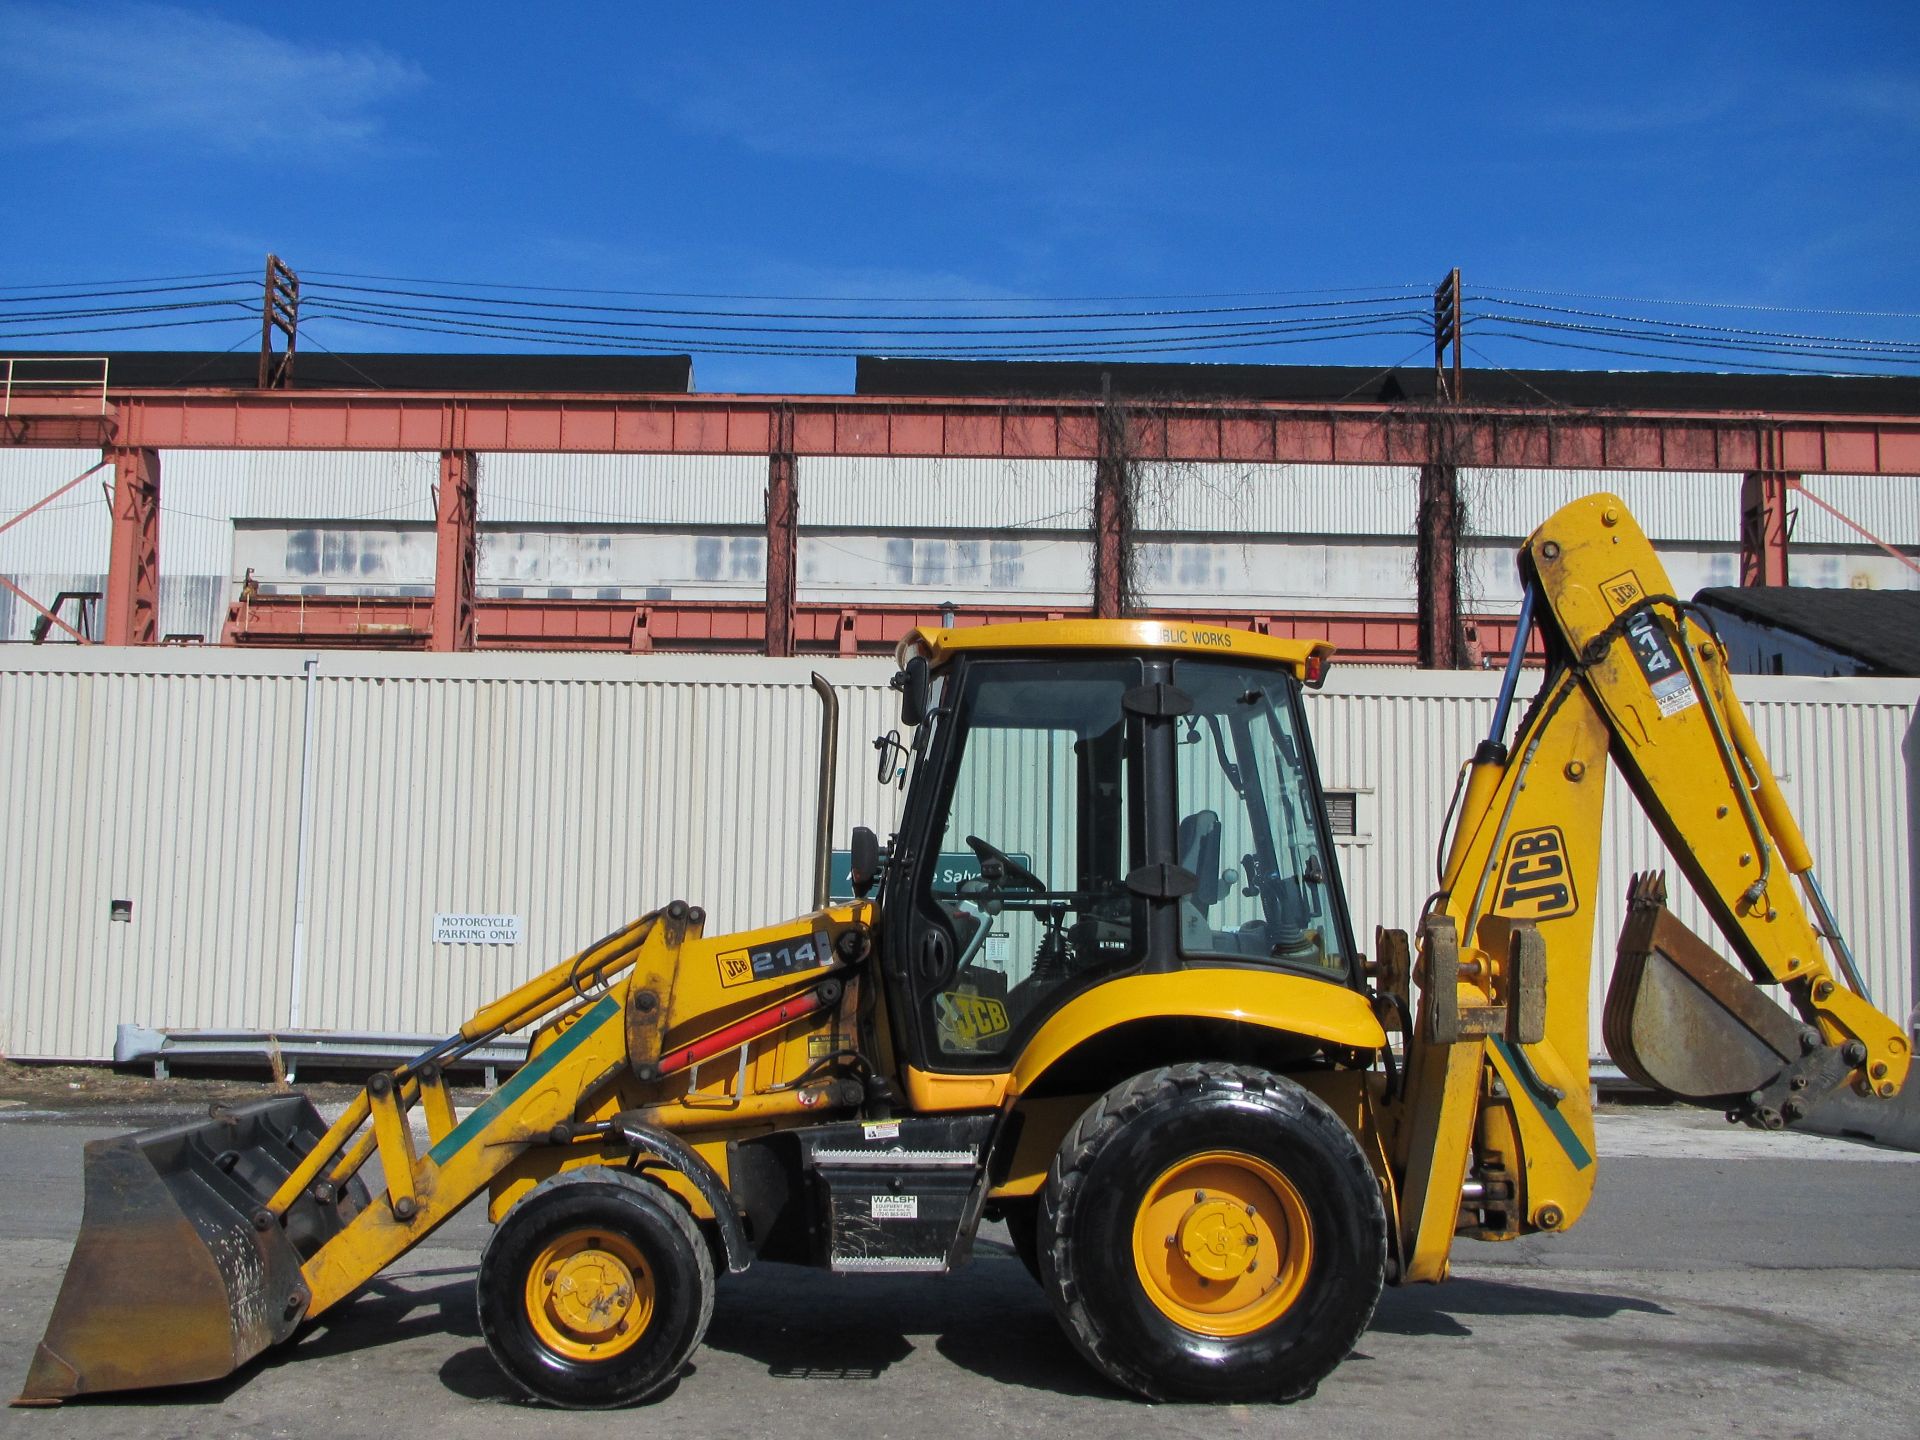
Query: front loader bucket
[(179, 1273)]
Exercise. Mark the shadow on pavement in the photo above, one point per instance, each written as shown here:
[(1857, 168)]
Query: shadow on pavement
[(472, 1375), (386, 1313), (1436, 1309), (989, 1318)]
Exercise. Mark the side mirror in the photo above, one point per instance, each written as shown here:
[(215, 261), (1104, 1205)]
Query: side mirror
[(892, 752), (865, 860), (912, 683)]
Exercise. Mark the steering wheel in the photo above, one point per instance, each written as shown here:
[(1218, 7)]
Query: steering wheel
[(1014, 872)]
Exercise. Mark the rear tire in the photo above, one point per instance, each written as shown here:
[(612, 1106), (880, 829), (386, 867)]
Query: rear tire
[(594, 1290), (1212, 1232)]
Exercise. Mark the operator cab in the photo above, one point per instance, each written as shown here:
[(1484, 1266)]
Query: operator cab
[(1089, 799)]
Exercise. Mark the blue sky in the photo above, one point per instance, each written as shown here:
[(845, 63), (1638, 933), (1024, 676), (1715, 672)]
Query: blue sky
[(1761, 154)]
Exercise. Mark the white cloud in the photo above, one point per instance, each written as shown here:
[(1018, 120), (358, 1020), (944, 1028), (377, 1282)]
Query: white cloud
[(126, 74)]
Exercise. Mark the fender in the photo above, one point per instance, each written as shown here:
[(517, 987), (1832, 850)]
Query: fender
[(683, 1157), (1271, 999)]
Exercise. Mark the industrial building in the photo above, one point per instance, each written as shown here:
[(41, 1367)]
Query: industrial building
[(261, 842), (314, 515)]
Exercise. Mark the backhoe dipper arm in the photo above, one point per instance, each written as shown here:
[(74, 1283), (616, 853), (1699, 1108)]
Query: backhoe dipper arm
[(1493, 1132)]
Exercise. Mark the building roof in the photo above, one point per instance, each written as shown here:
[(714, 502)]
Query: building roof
[(325, 370), (1331, 384), (1880, 628)]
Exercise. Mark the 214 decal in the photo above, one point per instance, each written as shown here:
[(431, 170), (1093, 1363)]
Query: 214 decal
[(784, 957)]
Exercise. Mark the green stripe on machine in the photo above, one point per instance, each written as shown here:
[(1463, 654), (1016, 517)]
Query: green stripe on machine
[(1548, 1107), (524, 1079)]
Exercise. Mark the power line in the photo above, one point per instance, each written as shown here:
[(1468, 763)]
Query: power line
[(859, 299), (315, 300), (147, 280), (955, 317), (1710, 304), (455, 324), (1783, 335), (1656, 355), (115, 294)]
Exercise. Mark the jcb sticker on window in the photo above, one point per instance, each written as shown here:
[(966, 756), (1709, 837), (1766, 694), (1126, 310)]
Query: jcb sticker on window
[(968, 1019), (1536, 880), (799, 952)]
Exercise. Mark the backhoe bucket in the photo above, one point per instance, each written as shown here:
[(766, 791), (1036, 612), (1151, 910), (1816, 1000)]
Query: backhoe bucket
[(180, 1274), (1680, 1019)]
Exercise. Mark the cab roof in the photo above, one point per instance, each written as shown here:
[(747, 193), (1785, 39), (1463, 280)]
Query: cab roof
[(1306, 658)]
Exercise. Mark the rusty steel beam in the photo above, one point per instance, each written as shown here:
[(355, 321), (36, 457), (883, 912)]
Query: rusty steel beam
[(133, 556), (783, 538), (391, 622), (1112, 516), (1443, 641), (456, 552), (1729, 442), (1765, 527)]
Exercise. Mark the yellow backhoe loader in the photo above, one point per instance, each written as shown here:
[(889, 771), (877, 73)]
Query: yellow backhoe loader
[(1101, 984)]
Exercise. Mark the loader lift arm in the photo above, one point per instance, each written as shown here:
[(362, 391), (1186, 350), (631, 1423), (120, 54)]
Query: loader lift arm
[(224, 1237), (1493, 1131)]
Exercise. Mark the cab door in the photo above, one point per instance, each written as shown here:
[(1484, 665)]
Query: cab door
[(1011, 892)]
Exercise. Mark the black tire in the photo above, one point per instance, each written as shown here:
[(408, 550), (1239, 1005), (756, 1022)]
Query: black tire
[(619, 1223), (1117, 1158)]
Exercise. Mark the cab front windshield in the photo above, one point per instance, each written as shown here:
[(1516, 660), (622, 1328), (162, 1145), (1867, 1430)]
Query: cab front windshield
[(1250, 827)]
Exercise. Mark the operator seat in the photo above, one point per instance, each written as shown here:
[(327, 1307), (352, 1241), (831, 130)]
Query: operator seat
[(1197, 844)]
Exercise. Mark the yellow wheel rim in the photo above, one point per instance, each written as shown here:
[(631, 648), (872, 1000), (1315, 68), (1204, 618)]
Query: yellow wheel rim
[(1222, 1243), (590, 1295)]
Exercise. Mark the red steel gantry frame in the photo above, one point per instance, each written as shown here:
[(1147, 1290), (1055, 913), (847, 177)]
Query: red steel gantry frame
[(1771, 449)]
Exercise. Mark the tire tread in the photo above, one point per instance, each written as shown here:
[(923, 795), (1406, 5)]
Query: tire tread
[(1099, 1124)]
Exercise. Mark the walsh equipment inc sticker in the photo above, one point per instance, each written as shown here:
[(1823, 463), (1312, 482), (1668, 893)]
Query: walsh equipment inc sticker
[(896, 1207)]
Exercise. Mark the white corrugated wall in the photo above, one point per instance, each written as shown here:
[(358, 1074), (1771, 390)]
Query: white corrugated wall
[(578, 790), (848, 492), (128, 775), (594, 490)]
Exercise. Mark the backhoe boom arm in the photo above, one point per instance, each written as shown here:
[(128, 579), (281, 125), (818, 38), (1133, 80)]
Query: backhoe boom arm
[(1496, 1104)]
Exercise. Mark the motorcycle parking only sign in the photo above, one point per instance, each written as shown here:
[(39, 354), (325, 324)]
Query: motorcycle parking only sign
[(476, 929)]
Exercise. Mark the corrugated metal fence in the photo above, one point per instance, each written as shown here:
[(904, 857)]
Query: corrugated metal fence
[(576, 791)]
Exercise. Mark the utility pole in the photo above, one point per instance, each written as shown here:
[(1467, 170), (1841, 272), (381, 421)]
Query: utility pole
[(1446, 332), (1442, 638), (279, 310)]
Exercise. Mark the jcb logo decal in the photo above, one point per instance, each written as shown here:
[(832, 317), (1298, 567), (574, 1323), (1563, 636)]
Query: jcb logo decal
[(1536, 882), (968, 1019), (1622, 590)]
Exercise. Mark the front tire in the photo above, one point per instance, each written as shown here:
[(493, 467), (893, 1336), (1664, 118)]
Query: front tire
[(1212, 1232), (594, 1290)]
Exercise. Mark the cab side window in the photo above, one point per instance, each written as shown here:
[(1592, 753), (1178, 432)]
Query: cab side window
[(1026, 897)]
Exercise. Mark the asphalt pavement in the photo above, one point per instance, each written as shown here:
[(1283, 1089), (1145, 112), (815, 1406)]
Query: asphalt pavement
[(1724, 1282)]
